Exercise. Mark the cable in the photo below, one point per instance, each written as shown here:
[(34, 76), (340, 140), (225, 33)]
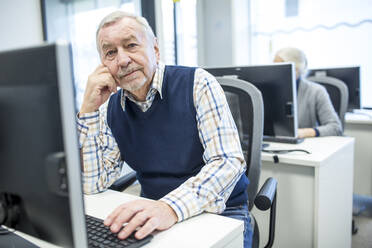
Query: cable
[(285, 151)]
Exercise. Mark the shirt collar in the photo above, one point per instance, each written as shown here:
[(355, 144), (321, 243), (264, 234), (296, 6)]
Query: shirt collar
[(156, 84)]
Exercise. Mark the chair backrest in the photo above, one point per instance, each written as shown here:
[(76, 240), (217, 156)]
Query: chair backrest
[(246, 105), (338, 92)]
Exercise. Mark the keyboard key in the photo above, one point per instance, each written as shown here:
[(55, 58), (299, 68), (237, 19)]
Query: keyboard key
[(100, 236)]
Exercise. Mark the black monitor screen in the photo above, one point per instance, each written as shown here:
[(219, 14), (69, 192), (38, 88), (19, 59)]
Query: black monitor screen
[(350, 76), (39, 156), (277, 85)]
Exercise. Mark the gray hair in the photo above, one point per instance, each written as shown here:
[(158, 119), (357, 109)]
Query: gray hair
[(295, 55), (117, 16)]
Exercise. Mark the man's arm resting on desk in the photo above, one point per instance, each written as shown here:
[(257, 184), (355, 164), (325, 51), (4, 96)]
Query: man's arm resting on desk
[(186, 201)]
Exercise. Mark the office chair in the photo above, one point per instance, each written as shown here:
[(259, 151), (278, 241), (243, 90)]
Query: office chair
[(124, 182), (338, 92), (245, 101), (246, 105)]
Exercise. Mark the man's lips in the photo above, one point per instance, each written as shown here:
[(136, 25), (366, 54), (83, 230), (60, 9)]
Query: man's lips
[(127, 73), (130, 73)]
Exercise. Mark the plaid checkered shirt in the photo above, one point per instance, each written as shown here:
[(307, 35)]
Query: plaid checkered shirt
[(224, 161)]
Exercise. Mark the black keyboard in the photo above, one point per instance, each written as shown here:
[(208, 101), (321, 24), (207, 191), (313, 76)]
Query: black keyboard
[(100, 235), (290, 140)]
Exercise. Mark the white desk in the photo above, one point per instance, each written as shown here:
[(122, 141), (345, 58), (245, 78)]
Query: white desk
[(359, 126), (205, 230), (314, 202)]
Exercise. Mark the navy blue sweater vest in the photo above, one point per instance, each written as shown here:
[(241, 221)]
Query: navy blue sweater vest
[(162, 144)]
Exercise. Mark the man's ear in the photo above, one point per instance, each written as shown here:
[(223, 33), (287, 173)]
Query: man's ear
[(156, 49)]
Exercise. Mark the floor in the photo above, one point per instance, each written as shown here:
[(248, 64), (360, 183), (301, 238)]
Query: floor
[(363, 238), (362, 211)]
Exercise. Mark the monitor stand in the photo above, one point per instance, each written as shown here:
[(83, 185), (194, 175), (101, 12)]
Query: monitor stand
[(289, 140)]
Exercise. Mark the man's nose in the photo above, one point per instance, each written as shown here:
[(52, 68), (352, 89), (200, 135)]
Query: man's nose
[(123, 58)]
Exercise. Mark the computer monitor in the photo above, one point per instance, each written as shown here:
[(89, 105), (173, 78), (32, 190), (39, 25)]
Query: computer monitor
[(40, 171), (277, 85), (350, 76)]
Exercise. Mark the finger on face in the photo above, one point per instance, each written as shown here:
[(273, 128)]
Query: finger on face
[(101, 68), (113, 85), (110, 82), (150, 225), (137, 221)]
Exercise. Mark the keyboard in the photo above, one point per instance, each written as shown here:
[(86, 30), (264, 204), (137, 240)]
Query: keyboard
[(100, 235), (290, 140)]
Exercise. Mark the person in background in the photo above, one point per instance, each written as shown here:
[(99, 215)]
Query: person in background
[(316, 115), (171, 124)]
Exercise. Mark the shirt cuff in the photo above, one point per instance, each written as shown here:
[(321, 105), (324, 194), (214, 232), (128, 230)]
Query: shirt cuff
[(180, 216), (86, 123), (86, 117), (183, 203), (316, 132)]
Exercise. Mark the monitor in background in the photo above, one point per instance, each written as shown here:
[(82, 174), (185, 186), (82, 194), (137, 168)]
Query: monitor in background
[(350, 76), (277, 85), (40, 174)]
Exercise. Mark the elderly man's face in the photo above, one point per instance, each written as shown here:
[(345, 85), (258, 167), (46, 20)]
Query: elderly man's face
[(128, 54)]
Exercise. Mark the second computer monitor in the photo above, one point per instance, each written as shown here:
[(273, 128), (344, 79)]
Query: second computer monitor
[(350, 76), (277, 85)]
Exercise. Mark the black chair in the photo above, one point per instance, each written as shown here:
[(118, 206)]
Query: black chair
[(337, 91), (245, 102), (124, 182), (246, 105)]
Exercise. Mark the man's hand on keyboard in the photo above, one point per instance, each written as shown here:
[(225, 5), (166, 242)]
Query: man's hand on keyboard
[(145, 216)]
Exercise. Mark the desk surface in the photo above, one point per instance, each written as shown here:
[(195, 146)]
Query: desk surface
[(359, 117), (205, 230), (321, 149)]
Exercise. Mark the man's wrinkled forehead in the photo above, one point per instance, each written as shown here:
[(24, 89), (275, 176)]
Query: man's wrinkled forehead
[(106, 45), (128, 28)]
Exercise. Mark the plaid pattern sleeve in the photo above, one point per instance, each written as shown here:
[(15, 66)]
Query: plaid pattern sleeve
[(224, 161), (100, 153)]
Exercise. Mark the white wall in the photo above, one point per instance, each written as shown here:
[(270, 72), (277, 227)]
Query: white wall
[(223, 32), (20, 23), (215, 39)]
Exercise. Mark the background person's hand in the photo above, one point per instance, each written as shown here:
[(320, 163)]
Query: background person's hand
[(145, 216), (99, 87), (306, 132)]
